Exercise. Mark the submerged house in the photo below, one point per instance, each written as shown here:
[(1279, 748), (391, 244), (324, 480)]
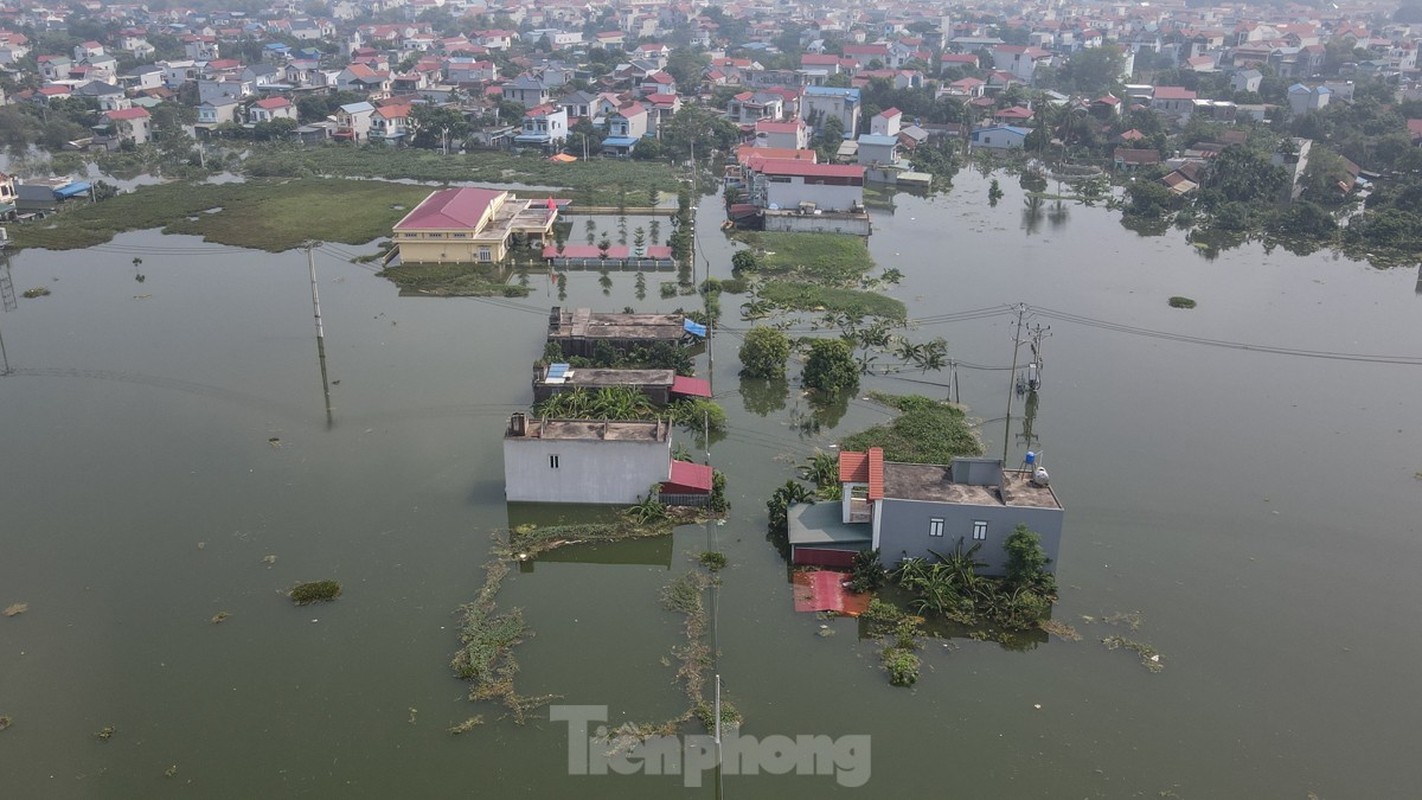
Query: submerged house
[(580, 332), (595, 461), (914, 510), (660, 386), (470, 225)]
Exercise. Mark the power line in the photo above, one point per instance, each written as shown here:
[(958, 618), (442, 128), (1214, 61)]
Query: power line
[(1331, 355)]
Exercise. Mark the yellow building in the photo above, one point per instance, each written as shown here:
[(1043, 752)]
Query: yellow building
[(470, 225)]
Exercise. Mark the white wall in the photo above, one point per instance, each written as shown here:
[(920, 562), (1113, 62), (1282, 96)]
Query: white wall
[(589, 471)]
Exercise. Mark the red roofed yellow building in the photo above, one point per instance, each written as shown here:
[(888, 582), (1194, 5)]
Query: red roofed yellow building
[(470, 225)]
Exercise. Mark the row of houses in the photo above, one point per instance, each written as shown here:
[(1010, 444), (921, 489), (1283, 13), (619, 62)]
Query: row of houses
[(617, 462)]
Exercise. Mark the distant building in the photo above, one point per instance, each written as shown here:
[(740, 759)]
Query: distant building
[(1000, 137), (820, 103), (786, 183), (914, 510)]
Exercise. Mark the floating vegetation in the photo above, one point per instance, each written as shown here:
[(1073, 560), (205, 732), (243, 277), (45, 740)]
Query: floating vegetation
[(712, 560), (5, 722), (274, 441), (1150, 657), (414, 712), (171, 772), (467, 725), (106, 733), (706, 713), (1128, 619), (16, 609), (38, 291), (315, 592), (1181, 302), (1060, 630), (269, 560), (487, 636), (219, 618), (487, 639)]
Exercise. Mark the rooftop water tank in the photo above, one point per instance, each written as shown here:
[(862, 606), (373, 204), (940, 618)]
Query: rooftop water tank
[(1040, 477)]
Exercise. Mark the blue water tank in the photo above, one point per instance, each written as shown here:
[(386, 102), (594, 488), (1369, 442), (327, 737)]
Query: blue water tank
[(1031, 458)]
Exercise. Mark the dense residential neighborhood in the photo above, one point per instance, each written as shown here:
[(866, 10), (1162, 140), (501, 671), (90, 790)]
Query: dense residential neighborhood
[(897, 94)]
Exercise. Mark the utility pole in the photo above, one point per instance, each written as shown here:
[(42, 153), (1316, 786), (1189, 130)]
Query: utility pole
[(310, 246), (1012, 382)]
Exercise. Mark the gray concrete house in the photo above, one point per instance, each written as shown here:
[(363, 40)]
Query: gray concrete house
[(593, 461), (913, 510)]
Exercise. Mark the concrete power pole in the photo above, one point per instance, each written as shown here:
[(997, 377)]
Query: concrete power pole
[(1012, 383), (310, 247)]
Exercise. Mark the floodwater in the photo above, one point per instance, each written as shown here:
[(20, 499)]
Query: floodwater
[(1258, 510)]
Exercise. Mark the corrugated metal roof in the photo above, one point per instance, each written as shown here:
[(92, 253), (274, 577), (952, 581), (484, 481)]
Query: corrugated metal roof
[(691, 387), (688, 478)]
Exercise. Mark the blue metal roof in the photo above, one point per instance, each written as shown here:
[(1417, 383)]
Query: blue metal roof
[(694, 328), (72, 190), (619, 141), (557, 370)]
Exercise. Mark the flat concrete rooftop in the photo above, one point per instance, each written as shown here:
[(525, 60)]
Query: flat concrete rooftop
[(584, 324), (934, 482), (593, 430), (822, 524), (597, 376)]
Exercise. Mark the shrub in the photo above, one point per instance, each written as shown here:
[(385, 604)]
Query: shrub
[(1181, 302), (830, 366), (764, 353)]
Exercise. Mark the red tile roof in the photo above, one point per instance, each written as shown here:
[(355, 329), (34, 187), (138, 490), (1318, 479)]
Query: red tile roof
[(876, 473), (127, 113), (450, 208)]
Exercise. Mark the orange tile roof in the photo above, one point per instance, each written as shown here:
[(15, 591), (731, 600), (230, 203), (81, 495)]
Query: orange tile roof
[(876, 473), (853, 467)]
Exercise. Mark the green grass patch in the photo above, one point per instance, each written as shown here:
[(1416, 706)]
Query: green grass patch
[(797, 296), (592, 182), (926, 431), (827, 257), (1181, 302), (452, 280), (262, 215)]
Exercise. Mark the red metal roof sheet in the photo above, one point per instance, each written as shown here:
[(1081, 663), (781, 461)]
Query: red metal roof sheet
[(688, 478), (805, 169), (853, 467), (450, 208), (691, 387)]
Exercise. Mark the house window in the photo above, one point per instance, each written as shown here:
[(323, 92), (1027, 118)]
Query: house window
[(553, 461), (485, 255), (979, 530), (935, 526)]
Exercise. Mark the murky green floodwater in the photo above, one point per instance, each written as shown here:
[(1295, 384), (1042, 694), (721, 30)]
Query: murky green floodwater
[(1259, 511)]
